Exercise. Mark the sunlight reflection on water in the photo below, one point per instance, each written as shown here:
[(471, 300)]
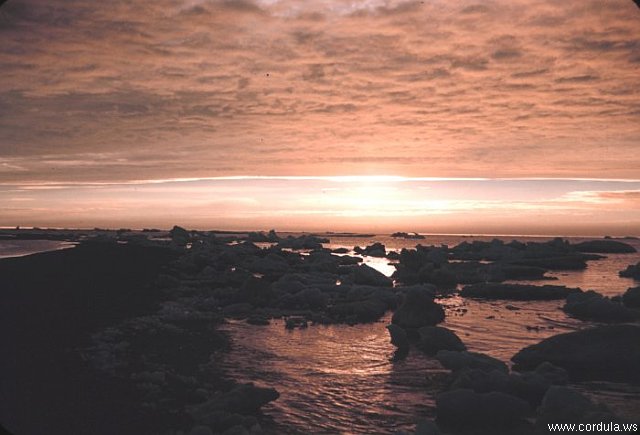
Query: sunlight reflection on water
[(335, 378)]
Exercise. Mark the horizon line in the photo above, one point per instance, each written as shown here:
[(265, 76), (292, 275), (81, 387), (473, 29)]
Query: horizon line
[(330, 178), (323, 233)]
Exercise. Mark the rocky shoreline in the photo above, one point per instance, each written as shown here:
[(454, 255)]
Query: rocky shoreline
[(152, 347)]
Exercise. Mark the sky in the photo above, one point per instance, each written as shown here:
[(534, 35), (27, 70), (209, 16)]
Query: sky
[(518, 116)]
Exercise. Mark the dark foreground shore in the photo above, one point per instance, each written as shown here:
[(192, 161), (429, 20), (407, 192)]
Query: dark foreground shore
[(94, 342), (50, 304)]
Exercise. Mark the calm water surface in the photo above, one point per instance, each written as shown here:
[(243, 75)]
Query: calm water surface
[(20, 248), (342, 379)]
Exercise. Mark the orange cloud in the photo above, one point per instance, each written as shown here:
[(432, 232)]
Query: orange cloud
[(97, 91)]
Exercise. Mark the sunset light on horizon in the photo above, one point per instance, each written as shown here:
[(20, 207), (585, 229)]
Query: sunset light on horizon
[(347, 203)]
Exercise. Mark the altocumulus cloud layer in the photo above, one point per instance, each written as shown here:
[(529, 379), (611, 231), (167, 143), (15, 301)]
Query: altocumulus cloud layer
[(120, 90)]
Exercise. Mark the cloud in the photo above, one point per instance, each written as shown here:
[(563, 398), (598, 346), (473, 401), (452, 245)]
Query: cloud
[(531, 73), (96, 91), (577, 79), (619, 198), (506, 54), (476, 9)]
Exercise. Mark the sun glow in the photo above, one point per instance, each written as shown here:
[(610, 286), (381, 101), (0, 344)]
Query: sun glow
[(367, 193), (335, 203)]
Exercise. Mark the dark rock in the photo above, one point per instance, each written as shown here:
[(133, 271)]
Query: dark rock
[(411, 259), (426, 427), (555, 375), (631, 298), (472, 272), (157, 377), (562, 404), (374, 250), (593, 306), (271, 264), (256, 291), (441, 276), (457, 361), (235, 424), (302, 242), (340, 251), (201, 430), (422, 255), (293, 322), (179, 235), (241, 309), (258, 320), (418, 309), (559, 251), (605, 247), (437, 255), (481, 381), (260, 236), (234, 254), (405, 275), (529, 386), (308, 298), (606, 352), (361, 292), (167, 281), (478, 250), (468, 409), (365, 311), (369, 310), (436, 338), (244, 399), (364, 292), (312, 298), (400, 354), (294, 282), (387, 296), (522, 292), (236, 430), (632, 271), (398, 336), (565, 405), (323, 261), (393, 255), (367, 275), (402, 235), (346, 260)]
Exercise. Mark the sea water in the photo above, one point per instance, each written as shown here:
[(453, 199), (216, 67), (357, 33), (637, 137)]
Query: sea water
[(343, 379), (20, 248)]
